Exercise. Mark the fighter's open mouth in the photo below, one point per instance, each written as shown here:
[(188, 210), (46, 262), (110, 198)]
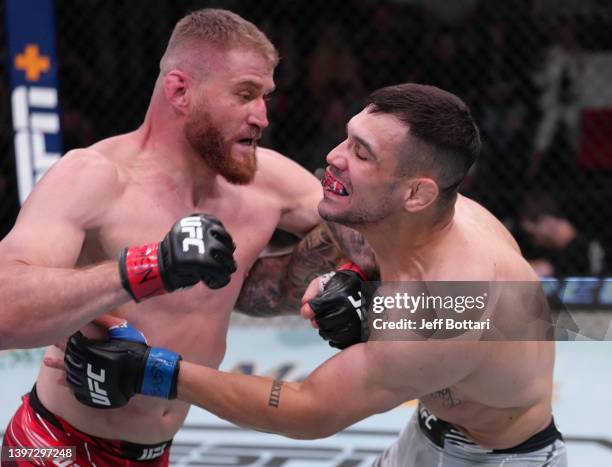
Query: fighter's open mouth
[(333, 185)]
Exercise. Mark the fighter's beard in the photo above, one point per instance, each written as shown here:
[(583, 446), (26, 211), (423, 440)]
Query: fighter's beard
[(206, 139)]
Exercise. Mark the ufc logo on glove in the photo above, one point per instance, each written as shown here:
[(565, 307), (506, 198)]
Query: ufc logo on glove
[(357, 304), (98, 395), (193, 227), (196, 249)]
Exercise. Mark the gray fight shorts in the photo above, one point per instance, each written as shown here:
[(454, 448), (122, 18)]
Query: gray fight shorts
[(429, 442)]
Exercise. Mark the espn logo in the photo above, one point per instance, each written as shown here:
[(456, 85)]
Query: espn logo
[(98, 395), (192, 226), (32, 129)]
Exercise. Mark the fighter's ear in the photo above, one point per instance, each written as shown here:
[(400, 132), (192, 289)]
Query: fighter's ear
[(421, 193), (175, 89)]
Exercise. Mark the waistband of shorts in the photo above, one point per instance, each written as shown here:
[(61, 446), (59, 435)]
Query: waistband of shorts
[(123, 449), (440, 431)]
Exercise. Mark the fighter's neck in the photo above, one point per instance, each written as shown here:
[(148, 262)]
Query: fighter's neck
[(404, 250), (164, 154)]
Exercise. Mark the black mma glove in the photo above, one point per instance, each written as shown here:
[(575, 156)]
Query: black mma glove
[(105, 374), (341, 308), (197, 248)]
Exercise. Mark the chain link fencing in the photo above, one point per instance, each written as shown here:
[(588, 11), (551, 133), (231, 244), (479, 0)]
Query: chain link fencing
[(537, 75)]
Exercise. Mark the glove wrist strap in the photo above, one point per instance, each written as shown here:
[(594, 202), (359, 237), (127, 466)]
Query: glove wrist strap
[(160, 374), (140, 274), (350, 266)]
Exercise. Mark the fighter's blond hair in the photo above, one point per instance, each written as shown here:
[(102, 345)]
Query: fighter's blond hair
[(220, 30)]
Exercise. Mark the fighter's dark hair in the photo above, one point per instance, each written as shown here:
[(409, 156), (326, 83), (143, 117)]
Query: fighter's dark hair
[(444, 140)]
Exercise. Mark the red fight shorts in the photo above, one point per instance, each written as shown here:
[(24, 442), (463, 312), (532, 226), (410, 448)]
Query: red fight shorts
[(33, 426)]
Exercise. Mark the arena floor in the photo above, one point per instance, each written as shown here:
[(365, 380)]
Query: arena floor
[(583, 410)]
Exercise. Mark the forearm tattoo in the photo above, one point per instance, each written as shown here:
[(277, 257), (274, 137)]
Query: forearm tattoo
[(275, 393), (355, 247), (316, 254), (275, 285), (261, 294)]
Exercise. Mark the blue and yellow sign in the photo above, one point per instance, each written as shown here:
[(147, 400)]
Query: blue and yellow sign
[(34, 89)]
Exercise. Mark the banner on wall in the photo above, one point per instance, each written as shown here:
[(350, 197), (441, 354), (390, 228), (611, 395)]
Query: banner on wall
[(37, 139)]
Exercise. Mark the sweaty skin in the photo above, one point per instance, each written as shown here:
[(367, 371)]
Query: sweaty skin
[(144, 205)]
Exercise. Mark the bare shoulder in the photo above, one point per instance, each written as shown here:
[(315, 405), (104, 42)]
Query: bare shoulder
[(487, 222), (486, 264), (285, 177), (83, 178), (73, 194), (70, 199), (91, 167), (485, 250), (296, 191)]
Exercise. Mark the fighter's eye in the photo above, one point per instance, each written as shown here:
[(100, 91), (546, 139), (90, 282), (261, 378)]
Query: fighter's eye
[(359, 152), (245, 96)]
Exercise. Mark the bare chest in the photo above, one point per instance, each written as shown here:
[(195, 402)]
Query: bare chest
[(192, 322), (146, 217)]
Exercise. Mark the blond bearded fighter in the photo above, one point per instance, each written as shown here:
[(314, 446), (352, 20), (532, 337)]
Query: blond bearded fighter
[(160, 199)]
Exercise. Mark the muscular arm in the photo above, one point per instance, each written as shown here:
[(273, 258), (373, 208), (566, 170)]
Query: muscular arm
[(43, 296), (275, 285), (356, 383), (42, 305), (355, 247)]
